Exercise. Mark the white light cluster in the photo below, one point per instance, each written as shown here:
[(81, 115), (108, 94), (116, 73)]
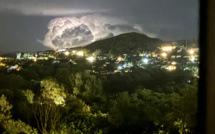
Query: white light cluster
[(192, 59), (119, 59), (164, 54), (80, 53), (66, 53), (173, 63), (145, 61), (90, 59), (167, 48), (171, 68), (119, 67), (191, 51), (62, 50)]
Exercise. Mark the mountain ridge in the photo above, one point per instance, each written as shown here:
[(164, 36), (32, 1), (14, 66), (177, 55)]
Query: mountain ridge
[(124, 43)]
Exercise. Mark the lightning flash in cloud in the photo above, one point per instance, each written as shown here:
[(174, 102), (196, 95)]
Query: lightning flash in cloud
[(68, 32)]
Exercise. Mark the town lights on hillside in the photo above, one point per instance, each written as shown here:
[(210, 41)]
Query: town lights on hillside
[(164, 54), (192, 59), (119, 59), (2, 64), (173, 63), (145, 61), (80, 53), (171, 68), (90, 59), (74, 51), (18, 68), (167, 48), (66, 53), (62, 50), (119, 67), (191, 51)]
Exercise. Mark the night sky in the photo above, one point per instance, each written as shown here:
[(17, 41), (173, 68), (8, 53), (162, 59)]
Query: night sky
[(28, 26)]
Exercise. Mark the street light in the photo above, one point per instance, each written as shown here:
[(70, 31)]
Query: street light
[(119, 59), (168, 48), (66, 53), (145, 61), (191, 51), (173, 63), (192, 59), (74, 51), (171, 68), (164, 54), (90, 59), (120, 67), (80, 53)]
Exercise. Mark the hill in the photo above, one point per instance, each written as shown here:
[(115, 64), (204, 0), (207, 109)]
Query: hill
[(9, 54), (129, 43)]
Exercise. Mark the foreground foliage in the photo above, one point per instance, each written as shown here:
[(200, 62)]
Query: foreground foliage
[(68, 100)]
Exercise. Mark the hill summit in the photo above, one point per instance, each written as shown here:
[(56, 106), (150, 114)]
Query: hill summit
[(125, 43)]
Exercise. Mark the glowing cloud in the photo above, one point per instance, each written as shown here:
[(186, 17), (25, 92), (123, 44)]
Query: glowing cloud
[(73, 31)]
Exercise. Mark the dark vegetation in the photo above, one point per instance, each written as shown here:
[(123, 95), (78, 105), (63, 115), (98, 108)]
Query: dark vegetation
[(128, 43), (64, 98)]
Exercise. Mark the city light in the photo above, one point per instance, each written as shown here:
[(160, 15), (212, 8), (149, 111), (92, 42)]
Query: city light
[(90, 59), (171, 68), (119, 59), (18, 68), (80, 53), (120, 67), (2, 64), (173, 63), (62, 50), (192, 59), (164, 54), (145, 61), (167, 48), (66, 53), (1, 58), (74, 51), (188, 81), (191, 51)]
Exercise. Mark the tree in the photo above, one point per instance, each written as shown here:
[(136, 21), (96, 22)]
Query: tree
[(87, 86), (78, 118), (11, 81), (187, 109), (67, 77), (47, 108), (47, 116), (52, 90), (10, 125), (29, 95), (5, 113)]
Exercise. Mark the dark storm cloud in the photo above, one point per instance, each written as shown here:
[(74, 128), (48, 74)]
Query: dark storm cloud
[(48, 7), (24, 21)]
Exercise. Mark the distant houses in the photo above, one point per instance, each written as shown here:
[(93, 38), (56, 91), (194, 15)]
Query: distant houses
[(168, 57)]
